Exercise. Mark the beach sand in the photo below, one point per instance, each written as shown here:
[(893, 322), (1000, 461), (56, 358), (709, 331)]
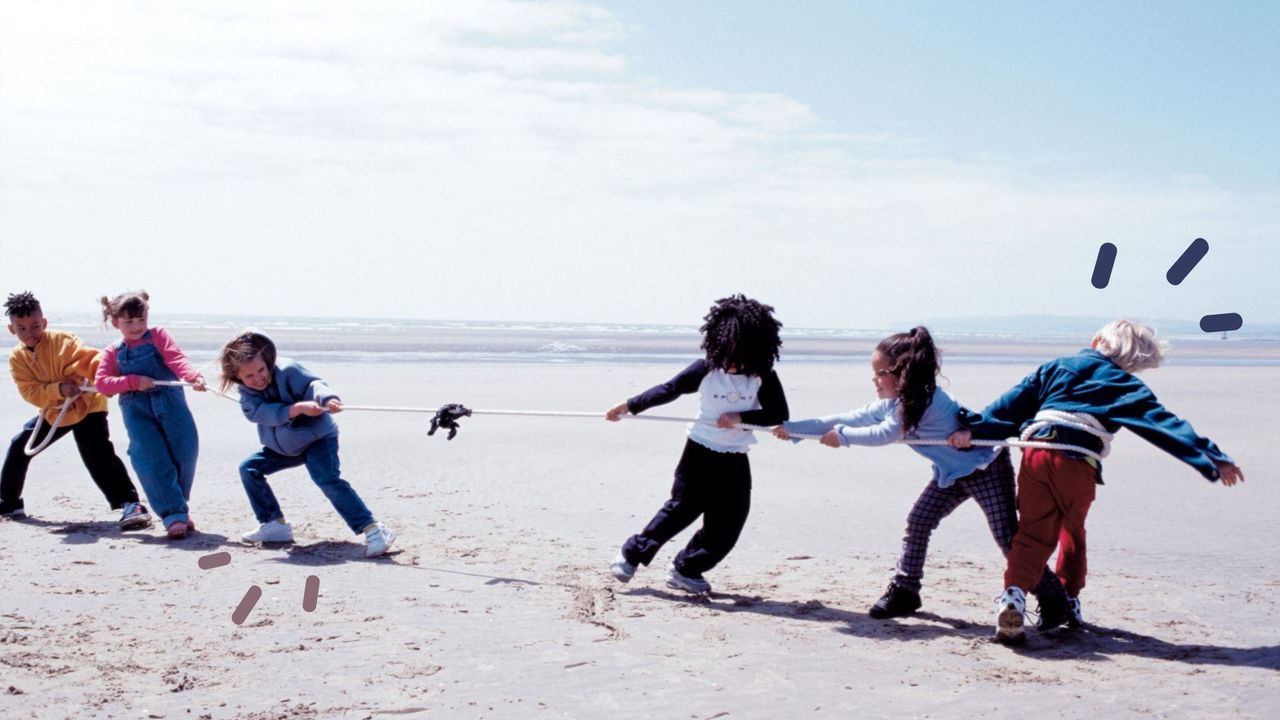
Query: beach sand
[(497, 602)]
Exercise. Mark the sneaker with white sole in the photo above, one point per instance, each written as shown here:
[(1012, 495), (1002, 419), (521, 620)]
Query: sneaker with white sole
[(1075, 617), (134, 515), (1011, 611), (621, 569), (274, 531), (377, 539), (683, 582)]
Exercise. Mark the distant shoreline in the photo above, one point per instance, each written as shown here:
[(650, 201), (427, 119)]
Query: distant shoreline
[(346, 342)]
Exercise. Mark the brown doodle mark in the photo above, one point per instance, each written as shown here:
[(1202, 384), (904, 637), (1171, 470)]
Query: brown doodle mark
[(214, 560), (310, 593), (246, 604)]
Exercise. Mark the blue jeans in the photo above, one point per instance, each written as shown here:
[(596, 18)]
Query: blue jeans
[(321, 459)]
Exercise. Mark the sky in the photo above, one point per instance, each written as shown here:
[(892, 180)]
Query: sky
[(854, 165)]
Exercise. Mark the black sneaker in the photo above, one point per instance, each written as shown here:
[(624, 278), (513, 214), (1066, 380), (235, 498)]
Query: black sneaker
[(896, 602), (1053, 610)]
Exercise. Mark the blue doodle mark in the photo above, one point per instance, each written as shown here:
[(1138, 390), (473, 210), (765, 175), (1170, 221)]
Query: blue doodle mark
[(1223, 322), (1194, 253), (1102, 267)]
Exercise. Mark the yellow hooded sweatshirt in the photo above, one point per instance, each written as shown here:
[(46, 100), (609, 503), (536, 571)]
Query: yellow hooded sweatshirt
[(58, 357)]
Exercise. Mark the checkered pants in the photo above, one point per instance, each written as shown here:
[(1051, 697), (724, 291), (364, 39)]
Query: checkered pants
[(992, 488)]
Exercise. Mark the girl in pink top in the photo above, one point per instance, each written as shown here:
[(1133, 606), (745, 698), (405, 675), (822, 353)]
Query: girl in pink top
[(163, 443)]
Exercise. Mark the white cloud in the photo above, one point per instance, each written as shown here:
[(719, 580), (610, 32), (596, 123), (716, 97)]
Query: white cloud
[(500, 160)]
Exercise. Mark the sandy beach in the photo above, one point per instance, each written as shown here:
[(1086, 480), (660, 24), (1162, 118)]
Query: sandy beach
[(497, 602)]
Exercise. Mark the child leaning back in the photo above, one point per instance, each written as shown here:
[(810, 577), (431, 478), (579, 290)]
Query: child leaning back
[(736, 384), (49, 367), (1079, 400), (293, 410)]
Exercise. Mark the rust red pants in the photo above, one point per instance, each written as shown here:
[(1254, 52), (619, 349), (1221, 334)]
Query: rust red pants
[(1054, 495)]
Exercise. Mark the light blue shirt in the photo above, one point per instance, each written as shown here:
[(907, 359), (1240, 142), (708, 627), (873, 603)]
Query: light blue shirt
[(880, 423)]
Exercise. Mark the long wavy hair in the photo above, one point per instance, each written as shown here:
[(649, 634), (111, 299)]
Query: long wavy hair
[(913, 358), (741, 333)]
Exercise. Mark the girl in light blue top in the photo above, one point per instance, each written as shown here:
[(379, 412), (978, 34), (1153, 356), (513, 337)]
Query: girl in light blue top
[(911, 406)]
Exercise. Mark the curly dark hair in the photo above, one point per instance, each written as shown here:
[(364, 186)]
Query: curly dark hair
[(22, 304), (242, 349), (913, 358), (741, 333)]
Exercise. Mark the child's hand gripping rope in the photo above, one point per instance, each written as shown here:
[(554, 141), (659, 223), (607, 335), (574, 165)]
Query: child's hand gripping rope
[(447, 417)]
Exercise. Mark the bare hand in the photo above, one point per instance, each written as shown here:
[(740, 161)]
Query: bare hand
[(69, 388), (1230, 474), (961, 439), (615, 413), (831, 439), (145, 383), (781, 433), (729, 420), (306, 407), (199, 385), (333, 406)]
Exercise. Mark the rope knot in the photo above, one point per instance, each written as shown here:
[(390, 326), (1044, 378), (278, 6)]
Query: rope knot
[(447, 417)]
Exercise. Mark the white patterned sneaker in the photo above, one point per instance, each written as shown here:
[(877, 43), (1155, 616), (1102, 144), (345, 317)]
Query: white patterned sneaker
[(1075, 617), (1011, 611)]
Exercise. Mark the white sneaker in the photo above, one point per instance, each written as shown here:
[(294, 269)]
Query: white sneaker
[(1076, 617), (134, 515), (377, 539), (275, 531), (622, 569), (1011, 612), (683, 582)]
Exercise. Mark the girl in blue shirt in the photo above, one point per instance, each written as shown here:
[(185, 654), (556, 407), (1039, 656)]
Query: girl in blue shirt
[(912, 406)]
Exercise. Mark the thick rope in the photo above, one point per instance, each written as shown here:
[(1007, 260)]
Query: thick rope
[(53, 427), (1010, 442), (1079, 421), (62, 412), (1045, 417)]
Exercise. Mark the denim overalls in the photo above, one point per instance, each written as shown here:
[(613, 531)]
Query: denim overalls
[(162, 434)]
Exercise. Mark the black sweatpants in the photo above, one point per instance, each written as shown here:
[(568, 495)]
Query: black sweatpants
[(93, 440), (712, 484)]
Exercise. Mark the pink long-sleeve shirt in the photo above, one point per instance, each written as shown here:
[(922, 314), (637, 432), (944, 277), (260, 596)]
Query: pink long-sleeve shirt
[(109, 381)]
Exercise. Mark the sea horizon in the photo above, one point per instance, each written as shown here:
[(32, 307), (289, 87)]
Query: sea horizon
[(401, 341)]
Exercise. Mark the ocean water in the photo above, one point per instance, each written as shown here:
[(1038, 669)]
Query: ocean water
[(363, 341)]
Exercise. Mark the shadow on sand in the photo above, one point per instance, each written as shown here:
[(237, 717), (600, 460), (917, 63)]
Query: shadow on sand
[(1089, 643)]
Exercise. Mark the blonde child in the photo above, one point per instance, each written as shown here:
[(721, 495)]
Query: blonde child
[(736, 384), (904, 371), (49, 367), (163, 443), (293, 410), (1078, 400)]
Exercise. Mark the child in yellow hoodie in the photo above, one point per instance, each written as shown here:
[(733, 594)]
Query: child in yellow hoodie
[(49, 368)]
